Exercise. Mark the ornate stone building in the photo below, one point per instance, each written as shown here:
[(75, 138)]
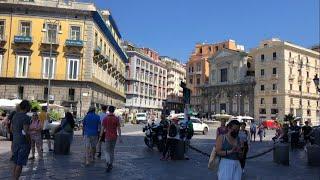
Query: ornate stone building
[(198, 69), (231, 84)]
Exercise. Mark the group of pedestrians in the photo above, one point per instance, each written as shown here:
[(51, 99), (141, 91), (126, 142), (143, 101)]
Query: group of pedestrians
[(175, 131), (27, 134), (98, 130), (257, 129)]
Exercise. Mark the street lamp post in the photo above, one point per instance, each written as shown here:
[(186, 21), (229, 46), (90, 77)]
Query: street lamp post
[(54, 22)]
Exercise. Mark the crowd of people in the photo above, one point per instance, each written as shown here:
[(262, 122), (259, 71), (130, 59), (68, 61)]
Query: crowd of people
[(102, 131), (28, 133)]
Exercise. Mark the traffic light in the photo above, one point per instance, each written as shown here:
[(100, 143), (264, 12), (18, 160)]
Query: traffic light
[(186, 93)]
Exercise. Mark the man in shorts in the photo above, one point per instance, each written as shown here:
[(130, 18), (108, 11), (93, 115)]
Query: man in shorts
[(21, 139), (91, 126)]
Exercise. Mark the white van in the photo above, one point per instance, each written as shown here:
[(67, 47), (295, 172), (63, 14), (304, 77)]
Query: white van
[(141, 118), (246, 119)]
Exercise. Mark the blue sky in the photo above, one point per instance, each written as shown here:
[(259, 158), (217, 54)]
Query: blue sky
[(173, 27)]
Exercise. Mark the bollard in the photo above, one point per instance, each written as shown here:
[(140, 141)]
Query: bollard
[(281, 153), (313, 155), (178, 150), (62, 143)]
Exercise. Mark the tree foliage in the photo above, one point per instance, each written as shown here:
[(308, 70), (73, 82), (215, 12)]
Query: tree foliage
[(288, 117)]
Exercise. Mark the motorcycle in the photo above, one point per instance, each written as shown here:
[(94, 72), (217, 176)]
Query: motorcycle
[(155, 136)]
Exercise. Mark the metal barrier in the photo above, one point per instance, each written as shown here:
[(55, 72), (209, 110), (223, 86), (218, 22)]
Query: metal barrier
[(250, 157)]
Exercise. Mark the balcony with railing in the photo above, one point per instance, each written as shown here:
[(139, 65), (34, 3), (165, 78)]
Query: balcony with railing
[(22, 39), (74, 43), (47, 40)]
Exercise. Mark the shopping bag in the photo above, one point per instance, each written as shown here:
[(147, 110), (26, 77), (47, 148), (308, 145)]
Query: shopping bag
[(214, 160)]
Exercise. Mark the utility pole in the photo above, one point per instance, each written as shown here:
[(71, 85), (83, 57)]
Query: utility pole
[(186, 98)]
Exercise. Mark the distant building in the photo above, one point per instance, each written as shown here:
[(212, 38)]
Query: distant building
[(316, 48), (284, 75), (198, 69), (146, 80), (231, 84), (86, 65), (176, 73)]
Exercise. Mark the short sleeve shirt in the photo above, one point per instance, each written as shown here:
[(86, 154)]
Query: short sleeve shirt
[(91, 124), (110, 124), (42, 117), (19, 120)]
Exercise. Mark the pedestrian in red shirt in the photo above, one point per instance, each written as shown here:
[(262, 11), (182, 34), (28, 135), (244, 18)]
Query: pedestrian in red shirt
[(110, 125)]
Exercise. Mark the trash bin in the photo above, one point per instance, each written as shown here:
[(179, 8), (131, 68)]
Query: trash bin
[(178, 150), (62, 143), (313, 155), (281, 153)]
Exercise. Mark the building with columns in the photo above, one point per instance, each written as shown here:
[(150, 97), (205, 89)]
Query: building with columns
[(231, 84), (146, 80), (86, 65), (284, 75), (176, 73), (198, 69)]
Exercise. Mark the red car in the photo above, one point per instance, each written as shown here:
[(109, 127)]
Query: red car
[(270, 124)]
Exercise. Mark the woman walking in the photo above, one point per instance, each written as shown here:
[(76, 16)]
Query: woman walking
[(244, 138), (35, 135), (261, 131), (68, 125), (222, 129), (228, 148)]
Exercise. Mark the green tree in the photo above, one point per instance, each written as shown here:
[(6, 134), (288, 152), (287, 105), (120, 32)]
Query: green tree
[(288, 118), (35, 106)]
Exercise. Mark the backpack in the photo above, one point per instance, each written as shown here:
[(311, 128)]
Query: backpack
[(190, 130), (173, 130)]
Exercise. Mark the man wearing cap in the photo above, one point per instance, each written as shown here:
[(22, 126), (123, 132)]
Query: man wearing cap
[(91, 126)]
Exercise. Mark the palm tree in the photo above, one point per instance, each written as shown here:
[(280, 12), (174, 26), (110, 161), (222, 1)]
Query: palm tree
[(288, 117)]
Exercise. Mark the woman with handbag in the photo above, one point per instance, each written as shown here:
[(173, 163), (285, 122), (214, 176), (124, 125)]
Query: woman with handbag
[(228, 149)]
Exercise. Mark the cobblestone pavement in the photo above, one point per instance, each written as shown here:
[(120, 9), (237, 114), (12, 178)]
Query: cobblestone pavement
[(135, 162)]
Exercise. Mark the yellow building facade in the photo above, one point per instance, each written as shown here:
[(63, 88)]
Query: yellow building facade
[(73, 44)]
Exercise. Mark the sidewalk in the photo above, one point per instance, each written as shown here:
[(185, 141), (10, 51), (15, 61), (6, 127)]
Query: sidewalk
[(136, 162)]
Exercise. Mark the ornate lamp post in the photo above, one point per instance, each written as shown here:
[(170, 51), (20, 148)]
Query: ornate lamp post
[(316, 82)]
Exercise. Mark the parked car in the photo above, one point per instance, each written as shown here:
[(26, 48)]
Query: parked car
[(270, 124), (198, 125), (141, 118)]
